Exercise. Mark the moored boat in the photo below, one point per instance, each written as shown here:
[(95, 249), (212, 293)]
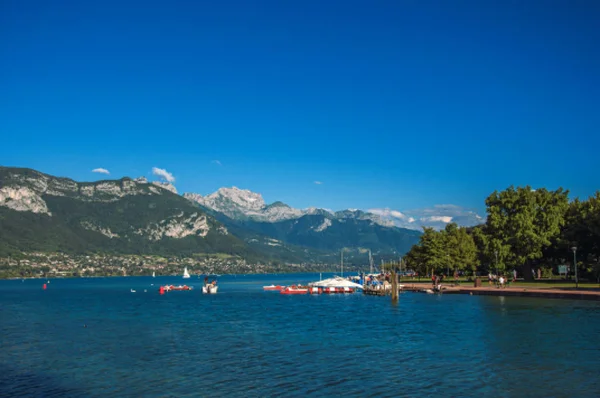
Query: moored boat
[(334, 290), (274, 287), (169, 288), (294, 290)]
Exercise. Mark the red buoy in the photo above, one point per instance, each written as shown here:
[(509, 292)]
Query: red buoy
[(161, 290), (44, 286)]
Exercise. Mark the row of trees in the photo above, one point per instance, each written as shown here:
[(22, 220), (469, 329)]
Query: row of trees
[(525, 228)]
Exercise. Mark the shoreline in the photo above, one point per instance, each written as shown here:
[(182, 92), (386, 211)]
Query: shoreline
[(590, 293)]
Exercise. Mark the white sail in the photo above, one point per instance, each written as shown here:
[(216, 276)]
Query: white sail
[(185, 273), (153, 274)]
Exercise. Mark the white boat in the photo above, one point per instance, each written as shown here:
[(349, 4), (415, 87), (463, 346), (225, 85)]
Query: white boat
[(186, 274), (153, 274), (210, 289)]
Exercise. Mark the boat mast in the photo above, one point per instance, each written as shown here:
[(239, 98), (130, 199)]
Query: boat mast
[(370, 262), (342, 262)]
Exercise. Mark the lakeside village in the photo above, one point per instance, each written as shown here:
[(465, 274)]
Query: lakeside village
[(54, 265), (387, 283)]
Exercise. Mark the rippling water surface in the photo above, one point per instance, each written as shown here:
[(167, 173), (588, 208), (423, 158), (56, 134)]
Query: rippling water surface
[(93, 337)]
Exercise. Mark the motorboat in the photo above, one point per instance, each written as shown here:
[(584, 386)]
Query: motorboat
[(335, 290), (210, 288), (294, 290), (169, 288), (274, 287)]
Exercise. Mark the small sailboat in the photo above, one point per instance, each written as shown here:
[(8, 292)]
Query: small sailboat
[(186, 274), (153, 274)]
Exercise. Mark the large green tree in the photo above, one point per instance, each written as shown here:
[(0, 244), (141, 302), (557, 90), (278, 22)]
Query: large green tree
[(581, 230), (442, 251), (521, 222), (461, 248)]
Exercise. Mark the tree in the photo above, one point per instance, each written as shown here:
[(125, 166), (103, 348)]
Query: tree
[(416, 261), (433, 249), (462, 249), (521, 222)]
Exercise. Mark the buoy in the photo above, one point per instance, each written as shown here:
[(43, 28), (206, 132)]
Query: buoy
[(44, 286), (161, 290)]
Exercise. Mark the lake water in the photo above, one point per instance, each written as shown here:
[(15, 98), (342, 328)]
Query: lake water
[(244, 342)]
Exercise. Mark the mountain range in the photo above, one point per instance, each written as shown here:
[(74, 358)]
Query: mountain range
[(243, 204), (40, 212)]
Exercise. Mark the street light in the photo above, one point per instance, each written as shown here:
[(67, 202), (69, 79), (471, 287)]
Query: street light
[(574, 248)]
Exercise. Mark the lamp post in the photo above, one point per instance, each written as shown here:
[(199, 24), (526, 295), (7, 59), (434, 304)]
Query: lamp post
[(574, 248)]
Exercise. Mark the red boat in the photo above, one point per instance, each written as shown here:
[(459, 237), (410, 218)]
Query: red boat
[(274, 287), (333, 290), (169, 288), (294, 290)]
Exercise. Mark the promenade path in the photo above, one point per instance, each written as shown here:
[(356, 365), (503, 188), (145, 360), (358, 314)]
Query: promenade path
[(546, 291)]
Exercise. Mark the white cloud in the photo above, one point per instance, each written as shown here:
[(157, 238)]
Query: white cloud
[(397, 214), (444, 219), (217, 162), (101, 170), (437, 216), (388, 213), (318, 183), (163, 173)]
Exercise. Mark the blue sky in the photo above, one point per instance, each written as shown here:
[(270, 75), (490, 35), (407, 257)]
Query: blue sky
[(399, 104)]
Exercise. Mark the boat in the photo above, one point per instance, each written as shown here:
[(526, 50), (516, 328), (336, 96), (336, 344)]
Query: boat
[(210, 288), (333, 290), (169, 288), (274, 287), (186, 274), (336, 285), (294, 290), (153, 274)]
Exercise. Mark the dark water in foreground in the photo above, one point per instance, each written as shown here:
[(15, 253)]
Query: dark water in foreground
[(245, 342)]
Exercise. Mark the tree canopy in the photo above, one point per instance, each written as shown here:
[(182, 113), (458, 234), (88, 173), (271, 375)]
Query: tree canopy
[(525, 227)]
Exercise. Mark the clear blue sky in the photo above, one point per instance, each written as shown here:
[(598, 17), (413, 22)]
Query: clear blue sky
[(400, 104)]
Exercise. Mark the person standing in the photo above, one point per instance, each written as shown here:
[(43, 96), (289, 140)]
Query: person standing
[(514, 275)]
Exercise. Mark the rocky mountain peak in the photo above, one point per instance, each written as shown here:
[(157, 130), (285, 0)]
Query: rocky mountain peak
[(277, 204), (166, 185), (243, 198)]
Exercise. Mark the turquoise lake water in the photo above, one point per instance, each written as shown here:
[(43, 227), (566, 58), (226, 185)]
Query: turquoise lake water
[(244, 342)]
